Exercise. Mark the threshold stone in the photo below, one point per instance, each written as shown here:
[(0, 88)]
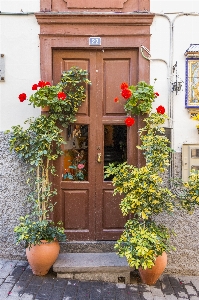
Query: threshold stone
[(93, 266)]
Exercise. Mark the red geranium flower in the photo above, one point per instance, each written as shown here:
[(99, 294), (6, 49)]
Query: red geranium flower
[(47, 83), (160, 109), (129, 121), (116, 99), (126, 93), (124, 85), (41, 84), (61, 95), (22, 97), (34, 87), (156, 94)]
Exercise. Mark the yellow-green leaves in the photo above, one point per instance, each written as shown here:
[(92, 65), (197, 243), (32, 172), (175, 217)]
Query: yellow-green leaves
[(141, 242)]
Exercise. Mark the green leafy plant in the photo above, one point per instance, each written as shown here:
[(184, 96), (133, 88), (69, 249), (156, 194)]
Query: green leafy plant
[(143, 190), (40, 145)]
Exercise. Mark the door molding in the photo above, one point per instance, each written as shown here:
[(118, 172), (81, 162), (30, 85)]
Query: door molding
[(67, 31)]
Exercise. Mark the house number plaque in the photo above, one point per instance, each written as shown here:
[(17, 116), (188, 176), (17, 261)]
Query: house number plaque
[(94, 41)]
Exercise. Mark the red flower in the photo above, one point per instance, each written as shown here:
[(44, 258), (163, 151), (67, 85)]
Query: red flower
[(124, 85), (156, 94), (41, 84), (61, 95), (34, 87), (22, 97), (126, 93), (129, 121), (116, 99), (160, 109)]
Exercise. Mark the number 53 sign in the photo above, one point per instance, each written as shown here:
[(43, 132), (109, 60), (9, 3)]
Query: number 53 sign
[(94, 41)]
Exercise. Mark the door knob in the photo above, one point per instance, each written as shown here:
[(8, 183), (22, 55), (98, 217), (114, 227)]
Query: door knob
[(99, 157)]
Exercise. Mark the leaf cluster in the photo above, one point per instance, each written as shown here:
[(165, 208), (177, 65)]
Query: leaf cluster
[(141, 100), (142, 241), (32, 232), (40, 145)]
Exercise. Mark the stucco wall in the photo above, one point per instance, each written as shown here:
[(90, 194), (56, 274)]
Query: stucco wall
[(13, 194)]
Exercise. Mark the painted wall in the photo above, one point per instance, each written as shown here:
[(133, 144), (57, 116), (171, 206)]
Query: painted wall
[(171, 48), (19, 42)]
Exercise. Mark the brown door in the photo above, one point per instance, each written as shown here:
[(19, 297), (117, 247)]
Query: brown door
[(86, 203)]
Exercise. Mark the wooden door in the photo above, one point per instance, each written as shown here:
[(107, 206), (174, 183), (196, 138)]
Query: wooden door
[(87, 207)]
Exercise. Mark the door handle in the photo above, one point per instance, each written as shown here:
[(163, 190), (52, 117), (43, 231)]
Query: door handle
[(99, 157)]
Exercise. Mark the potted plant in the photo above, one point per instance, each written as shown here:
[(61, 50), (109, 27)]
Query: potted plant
[(39, 146), (144, 192)]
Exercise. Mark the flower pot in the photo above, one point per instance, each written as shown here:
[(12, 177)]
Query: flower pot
[(150, 276), (45, 108), (42, 257)]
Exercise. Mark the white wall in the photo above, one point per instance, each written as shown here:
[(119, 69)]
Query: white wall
[(19, 42), (184, 33)]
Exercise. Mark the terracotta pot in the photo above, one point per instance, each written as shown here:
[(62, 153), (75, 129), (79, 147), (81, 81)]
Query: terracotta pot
[(150, 276), (45, 108), (42, 257)]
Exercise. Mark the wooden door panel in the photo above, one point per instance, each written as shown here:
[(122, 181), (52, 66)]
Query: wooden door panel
[(76, 209), (115, 72), (114, 67), (66, 61), (76, 199), (112, 217)]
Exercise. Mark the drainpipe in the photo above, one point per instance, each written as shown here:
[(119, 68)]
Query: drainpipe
[(169, 69)]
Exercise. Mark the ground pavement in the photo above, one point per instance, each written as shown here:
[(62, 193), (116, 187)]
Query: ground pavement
[(18, 283)]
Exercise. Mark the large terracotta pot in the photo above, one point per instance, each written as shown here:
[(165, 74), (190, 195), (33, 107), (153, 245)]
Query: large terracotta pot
[(150, 276), (42, 257)]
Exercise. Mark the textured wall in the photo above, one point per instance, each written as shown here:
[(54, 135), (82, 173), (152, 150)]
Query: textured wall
[(185, 260), (13, 191)]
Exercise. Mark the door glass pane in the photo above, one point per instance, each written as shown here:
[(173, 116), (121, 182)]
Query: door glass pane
[(75, 158), (115, 144)]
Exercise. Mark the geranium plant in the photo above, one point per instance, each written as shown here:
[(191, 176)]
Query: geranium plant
[(40, 145)]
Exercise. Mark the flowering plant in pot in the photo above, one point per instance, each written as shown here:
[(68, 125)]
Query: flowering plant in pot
[(144, 192), (39, 146)]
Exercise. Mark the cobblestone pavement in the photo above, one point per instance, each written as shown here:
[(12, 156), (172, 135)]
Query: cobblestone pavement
[(18, 283)]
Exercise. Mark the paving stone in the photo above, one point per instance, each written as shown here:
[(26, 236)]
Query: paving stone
[(156, 291), (170, 297), (194, 297), (195, 283), (26, 297), (146, 296), (190, 290)]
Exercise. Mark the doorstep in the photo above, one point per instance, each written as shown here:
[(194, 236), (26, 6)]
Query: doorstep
[(107, 267)]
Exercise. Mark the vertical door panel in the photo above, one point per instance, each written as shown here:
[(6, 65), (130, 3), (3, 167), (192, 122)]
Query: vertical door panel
[(76, 199), (114, 67)]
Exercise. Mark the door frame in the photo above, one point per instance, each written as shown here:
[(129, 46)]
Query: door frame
[(117, 31)]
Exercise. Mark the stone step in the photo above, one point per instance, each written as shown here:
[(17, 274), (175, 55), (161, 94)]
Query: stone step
[(87, 246), (93, 266)]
